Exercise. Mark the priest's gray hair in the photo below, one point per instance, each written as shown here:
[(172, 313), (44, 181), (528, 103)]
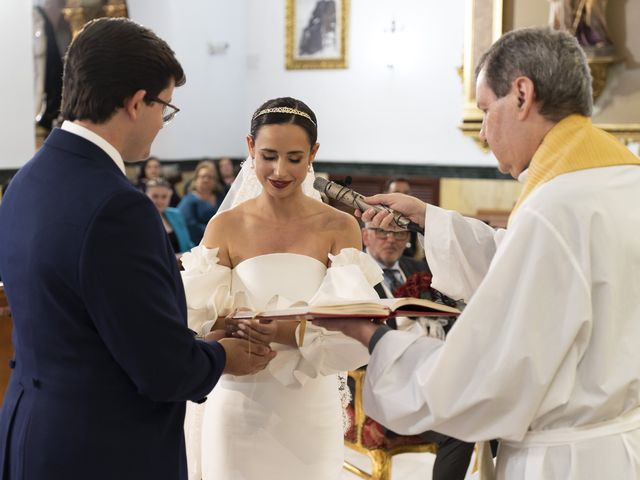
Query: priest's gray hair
[(551, 59)]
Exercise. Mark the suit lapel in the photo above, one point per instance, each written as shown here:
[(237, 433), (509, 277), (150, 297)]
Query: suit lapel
[(380, 290)]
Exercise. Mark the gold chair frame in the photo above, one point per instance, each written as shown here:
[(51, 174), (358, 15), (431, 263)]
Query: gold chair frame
[(380, 457)]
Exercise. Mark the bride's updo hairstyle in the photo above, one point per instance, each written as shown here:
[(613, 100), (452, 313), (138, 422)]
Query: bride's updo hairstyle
[(285, 110)]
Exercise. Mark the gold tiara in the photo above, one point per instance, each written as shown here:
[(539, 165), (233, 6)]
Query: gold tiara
[(292, 111)]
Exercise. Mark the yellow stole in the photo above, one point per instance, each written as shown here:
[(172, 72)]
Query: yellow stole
[(573, 144)]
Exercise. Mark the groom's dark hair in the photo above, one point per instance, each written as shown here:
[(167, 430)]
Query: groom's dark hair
[(107, 62)]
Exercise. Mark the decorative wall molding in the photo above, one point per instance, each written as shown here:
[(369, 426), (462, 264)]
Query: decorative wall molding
[(412, 170)]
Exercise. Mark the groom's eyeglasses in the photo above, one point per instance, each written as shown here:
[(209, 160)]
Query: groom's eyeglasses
[(168, 111)]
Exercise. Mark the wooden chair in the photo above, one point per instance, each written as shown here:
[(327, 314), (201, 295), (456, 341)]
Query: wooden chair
[(365, 436), (495, 218), (6, 349)]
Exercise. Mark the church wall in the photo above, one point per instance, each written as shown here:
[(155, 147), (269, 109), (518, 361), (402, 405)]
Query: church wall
[(371, 113), (368, 113), (619, 102), (371, 117), (212, 120), (17, 142)]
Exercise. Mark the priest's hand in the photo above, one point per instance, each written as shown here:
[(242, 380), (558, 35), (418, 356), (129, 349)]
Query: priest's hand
[(244, 357), (411, 207), (357, 328)]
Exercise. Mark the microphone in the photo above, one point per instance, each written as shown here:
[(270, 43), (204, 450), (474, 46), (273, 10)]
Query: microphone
[(355, 200)]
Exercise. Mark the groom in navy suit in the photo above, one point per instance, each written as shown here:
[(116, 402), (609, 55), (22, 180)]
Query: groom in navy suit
[(104, 360)]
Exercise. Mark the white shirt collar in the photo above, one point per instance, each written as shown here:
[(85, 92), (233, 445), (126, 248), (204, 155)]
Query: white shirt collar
[(96, 139), (522, 178)]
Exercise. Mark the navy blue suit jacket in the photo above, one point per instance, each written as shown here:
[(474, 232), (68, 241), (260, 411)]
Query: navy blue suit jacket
[(104, 360), (409, 266)]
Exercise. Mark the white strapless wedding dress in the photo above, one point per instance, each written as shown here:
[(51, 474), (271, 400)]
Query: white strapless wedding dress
[(286, 421)]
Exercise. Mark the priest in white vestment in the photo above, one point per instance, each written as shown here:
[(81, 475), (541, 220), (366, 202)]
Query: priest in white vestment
[(546, 355)]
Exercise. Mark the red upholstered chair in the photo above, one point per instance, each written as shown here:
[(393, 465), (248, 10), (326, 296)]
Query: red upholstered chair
[(6, 348), (367, 436)]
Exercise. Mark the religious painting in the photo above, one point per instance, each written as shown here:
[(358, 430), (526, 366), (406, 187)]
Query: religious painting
[(483, 26), (605, 30), (316, 34)]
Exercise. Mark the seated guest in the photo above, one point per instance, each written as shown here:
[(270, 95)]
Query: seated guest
[(227, 171), (159, 191), (202, 202), (150, 169), (402, 185), (399, 185), (385, 247)]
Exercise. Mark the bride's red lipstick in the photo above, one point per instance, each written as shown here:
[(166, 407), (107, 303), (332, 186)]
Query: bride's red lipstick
[(279, 183)]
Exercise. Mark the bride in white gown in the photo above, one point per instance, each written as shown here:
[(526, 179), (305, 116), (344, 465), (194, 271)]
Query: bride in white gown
[(276, 245)]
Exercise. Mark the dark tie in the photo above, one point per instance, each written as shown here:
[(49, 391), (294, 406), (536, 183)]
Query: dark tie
[(392, 278)]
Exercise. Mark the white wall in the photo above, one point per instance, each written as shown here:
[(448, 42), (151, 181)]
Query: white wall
[(211, 122), (17, 143), (408, 114), (366, 113)]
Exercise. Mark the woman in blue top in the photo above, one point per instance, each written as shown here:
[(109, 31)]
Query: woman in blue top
[(202, 202), (150, 169), (159, 191)]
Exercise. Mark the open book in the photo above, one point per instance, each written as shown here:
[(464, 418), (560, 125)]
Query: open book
[(373, 309)]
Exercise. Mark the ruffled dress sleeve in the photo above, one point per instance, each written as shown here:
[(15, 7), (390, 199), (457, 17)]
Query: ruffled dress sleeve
[(207, 286), (351, 276)]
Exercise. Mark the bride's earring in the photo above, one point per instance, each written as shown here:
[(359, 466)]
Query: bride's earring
[(253, 162), (309, 167)]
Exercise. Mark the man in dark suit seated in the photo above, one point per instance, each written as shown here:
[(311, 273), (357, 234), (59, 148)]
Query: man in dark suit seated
[(402, 185), (104, 361), (386, 247)]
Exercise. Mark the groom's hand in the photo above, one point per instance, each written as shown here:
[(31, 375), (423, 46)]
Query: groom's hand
[(216, 335), (245, 358)]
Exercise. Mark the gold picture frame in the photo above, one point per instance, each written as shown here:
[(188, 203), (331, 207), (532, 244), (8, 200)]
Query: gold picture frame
[(79, 12), (486, 20), (316, 34)]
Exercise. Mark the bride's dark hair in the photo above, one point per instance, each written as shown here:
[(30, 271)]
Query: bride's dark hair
[(285, 110)]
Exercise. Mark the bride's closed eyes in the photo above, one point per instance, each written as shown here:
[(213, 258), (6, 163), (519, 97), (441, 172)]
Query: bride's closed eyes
[(271, 156)]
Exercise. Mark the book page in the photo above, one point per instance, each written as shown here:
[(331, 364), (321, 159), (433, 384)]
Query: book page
[(380, 308)]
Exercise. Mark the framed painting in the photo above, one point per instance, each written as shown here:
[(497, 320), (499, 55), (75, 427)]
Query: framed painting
[(483, 26), (316, 34), (616, 97)]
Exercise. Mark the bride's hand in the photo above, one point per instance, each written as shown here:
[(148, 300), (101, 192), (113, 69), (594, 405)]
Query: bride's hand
[(259, 331), (231, 325)]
